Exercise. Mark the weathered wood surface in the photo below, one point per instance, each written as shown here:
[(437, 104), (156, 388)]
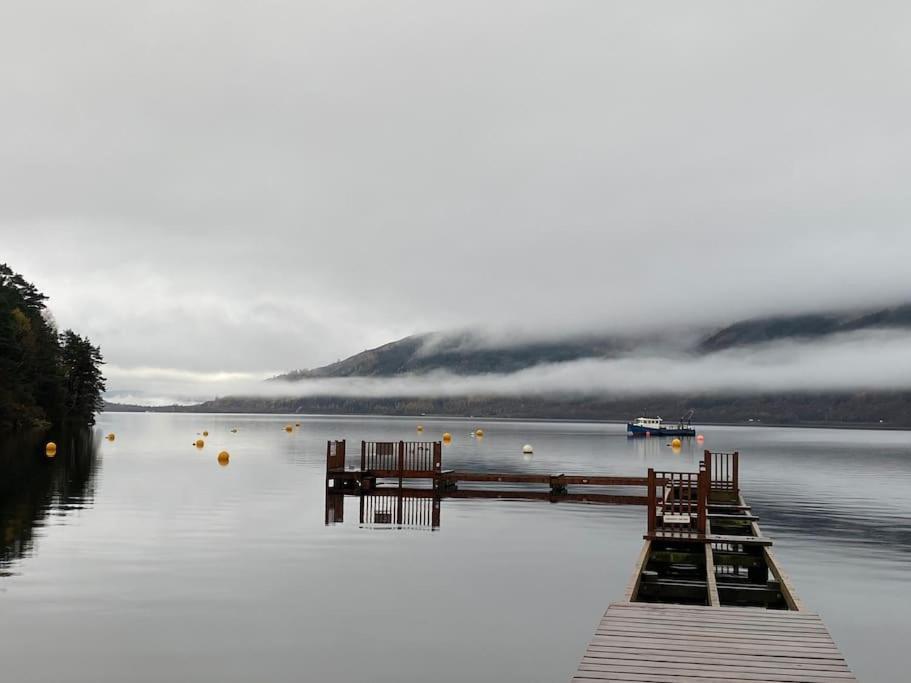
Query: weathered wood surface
[(659, 643)]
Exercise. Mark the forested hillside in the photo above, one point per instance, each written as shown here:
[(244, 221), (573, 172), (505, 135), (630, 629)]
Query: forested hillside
[(46, 377)]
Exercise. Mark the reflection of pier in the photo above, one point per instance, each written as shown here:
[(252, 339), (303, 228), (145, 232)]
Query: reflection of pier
[(388, 507)]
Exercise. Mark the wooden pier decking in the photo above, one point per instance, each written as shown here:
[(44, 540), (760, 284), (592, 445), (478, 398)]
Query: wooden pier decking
[(639, 642)]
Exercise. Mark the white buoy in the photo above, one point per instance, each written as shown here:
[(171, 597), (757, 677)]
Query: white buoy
[(527, 448)]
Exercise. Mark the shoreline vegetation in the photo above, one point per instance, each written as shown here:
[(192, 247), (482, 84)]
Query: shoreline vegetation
[(47, 378), (861, 410)]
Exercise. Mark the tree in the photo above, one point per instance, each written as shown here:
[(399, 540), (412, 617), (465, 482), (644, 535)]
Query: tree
[(44, 377), (83, 381)]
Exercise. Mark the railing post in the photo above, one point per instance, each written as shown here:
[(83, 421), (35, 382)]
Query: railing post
[(736, 472), (401, 461), (652, 493), (363, 456), (702, 487), (707, 459)]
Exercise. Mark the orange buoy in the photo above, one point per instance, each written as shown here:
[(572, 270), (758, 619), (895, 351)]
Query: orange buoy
[(289, 428), (50, 450), (223, 458), (200, 443)]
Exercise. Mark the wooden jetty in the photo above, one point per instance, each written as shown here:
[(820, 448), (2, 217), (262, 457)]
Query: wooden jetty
[(707, 601), (423, 460), (668, 643)]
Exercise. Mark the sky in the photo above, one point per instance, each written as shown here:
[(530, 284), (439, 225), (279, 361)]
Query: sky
[(216, 192)]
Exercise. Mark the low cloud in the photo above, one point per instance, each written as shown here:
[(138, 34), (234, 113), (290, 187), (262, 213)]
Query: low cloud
[(869, 360)]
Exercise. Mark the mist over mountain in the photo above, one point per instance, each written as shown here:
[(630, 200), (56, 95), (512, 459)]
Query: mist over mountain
[(472, 352), (847, 368)]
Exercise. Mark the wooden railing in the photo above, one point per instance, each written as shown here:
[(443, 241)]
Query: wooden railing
[(335, 456), (402, 456), (722, 470), (677, 502), (393, 508)]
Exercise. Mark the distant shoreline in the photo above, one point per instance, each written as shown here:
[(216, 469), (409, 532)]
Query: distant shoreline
[(188, 410)]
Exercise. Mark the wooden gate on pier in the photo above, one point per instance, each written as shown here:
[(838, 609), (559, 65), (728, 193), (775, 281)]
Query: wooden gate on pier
[(677, 504), (402, 459), (723, 471)]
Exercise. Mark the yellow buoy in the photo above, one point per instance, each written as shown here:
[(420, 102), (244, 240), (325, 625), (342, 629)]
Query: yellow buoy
[(50, 450), (447, 437), (676, 443), (527, 448), (420, 428), (205, 433), (223, 458), (110, 437), (289, 428), (200, 443), (479, 432)]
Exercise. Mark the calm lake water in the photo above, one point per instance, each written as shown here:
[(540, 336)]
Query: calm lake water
[(150, 562)]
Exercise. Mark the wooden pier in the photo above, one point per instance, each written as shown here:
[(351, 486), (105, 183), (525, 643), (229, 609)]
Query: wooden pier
[(707, 601), (399, 461), (665, 643)]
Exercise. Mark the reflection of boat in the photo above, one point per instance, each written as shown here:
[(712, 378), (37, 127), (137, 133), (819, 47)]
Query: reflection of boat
[(655, 426)]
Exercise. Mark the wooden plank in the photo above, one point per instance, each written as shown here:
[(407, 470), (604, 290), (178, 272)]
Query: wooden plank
[(712, 586), (784, 581), (628, 676), (746, 627), (658, 643), (534, 478), (744, 540), (722, 670), (633, 586), (761, 661)]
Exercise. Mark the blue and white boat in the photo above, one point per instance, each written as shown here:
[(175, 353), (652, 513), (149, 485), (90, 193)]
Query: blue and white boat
[(655, 426)]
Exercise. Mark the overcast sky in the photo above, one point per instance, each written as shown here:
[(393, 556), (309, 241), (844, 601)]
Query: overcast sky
[(225, 187)]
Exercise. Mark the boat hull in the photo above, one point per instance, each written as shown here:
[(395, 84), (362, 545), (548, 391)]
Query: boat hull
[(677, 430)]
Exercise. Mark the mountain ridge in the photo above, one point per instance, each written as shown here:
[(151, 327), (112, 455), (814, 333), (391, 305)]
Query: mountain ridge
[(465, 353)]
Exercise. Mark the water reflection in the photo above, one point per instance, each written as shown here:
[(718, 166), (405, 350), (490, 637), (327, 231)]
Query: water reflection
[(34, 486), (419, 508), (397, 508)]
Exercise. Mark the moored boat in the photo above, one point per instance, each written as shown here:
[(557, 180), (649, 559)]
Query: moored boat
[(655, 426)]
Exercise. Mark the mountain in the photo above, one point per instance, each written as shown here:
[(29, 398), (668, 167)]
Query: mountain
[(806, 327), (467, 353), (463, 353)]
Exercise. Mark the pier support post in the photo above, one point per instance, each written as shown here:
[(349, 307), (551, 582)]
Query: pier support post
[(558, 484)]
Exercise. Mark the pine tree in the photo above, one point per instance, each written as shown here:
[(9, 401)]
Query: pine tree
[(44, 377)]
